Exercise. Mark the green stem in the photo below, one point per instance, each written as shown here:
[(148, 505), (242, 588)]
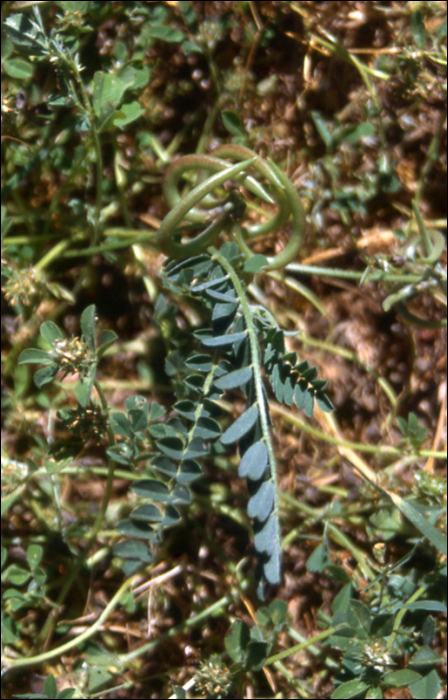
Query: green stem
[(401, 613), (422, 230), (99, 183), (118, 245), (298, 647), (208, 125), (382, 450), (170, 223), (77, 641), (417, 321), (432, 155), (283, 191), (375, 276), (53, 254)]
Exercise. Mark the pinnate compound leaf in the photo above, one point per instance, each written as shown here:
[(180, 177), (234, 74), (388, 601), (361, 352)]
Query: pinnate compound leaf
[(216, 281), (199, 266), (300, 394), (147, 513), (186, 408), (219, 296), (200, 363), (196, 448), (304, 397), (272, 570), (136, 528), (189, 471), (254, 461), (324, 402), (151, 489), (223, 340), (223, 312), (319, 385), (171, 517), (180, 495), (310, 374), (207, 429), (132, 550), (210, 409), (234, 380), (176, 427), (195, 382), (309, 404), (261, 503), (265, 538), (241, 426), (171, 446), (288, 391), (163, 465)]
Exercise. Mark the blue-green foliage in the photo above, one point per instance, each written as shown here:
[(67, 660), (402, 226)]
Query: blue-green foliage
[(240, 345), (203, 366), (222, 359)]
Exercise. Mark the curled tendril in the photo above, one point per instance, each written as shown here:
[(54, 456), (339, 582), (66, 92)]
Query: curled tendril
[(218, 214)]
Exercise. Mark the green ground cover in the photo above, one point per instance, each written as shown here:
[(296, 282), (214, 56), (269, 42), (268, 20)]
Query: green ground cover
[(223, 466)]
